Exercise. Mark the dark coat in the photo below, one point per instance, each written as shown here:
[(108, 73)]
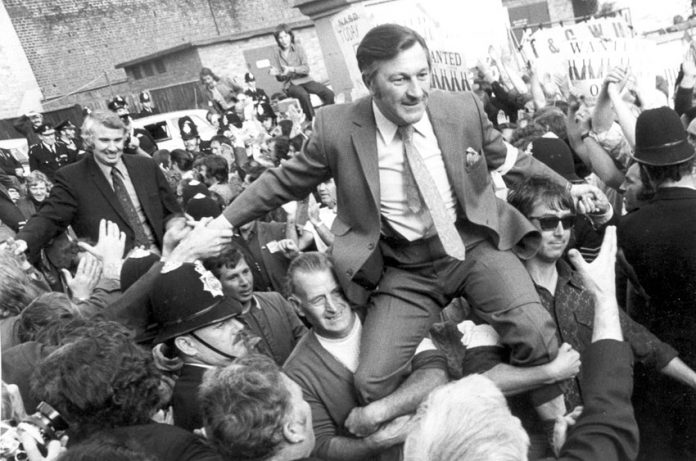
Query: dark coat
[(82, 196), (659, 242), (41, 158)]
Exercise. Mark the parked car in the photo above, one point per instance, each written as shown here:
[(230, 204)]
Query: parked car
[(19, 148), (164, 128)]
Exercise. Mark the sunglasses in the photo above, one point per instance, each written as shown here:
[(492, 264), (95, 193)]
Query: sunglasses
[(551, 222)]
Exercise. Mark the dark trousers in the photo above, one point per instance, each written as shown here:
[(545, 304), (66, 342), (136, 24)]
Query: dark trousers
[(419, 280), (301, 93)]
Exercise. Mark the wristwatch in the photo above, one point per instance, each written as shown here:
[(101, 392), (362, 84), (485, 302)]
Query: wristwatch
[(584, 136)]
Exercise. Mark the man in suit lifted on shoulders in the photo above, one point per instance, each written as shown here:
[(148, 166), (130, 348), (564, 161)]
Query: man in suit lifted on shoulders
[(417, 216)]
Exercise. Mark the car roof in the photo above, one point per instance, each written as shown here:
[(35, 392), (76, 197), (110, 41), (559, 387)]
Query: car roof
[(169, 115)]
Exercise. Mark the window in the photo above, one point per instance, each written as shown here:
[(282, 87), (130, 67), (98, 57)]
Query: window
[(159, 65), (159, 131), (135, 70), (147, 69)]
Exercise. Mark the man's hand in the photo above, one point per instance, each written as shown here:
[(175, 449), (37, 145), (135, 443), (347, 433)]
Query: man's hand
[(587, 197), (289, 248), (566, 365), (393, 432), (313, 213), (599, 275), (18, 247), (560, 429), (86, 278), (109, 248), (54, 449), (601, 211), (177, 230), (363, 421), (615, 81), (202, 242)]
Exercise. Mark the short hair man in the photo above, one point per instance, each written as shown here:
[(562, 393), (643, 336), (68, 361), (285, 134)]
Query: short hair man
[(413, 251), (267, 314), (551, 208), (200, 326), (216, 173), (130, 191), (48, 155), (253, 411), (658, 242), (325, 359), (27, 125)]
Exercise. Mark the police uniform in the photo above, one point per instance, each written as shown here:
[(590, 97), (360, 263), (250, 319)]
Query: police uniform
[(48, 159), (262, 103)]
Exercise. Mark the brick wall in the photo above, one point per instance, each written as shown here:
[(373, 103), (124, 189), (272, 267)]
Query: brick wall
[(71, 42)]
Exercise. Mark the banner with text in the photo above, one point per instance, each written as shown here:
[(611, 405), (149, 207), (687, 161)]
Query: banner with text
[(586, 52)]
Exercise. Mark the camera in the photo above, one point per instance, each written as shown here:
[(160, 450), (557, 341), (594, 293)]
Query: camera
[(44, 425)]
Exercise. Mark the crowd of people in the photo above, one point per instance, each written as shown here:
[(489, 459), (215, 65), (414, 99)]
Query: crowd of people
[(497, 274)]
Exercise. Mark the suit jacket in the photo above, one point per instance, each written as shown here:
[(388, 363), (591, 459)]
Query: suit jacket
[(607, 428), (42, 159), (82, 196), (187, 409), (659, 242), (344, 146)]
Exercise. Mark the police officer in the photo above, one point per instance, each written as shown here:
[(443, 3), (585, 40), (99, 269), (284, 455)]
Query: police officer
[(139, 141), (47, 155), (66, 134), (262, 103), (148, 107)]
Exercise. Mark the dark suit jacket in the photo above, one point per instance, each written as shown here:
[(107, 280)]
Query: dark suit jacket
[(187, 410), (82, 196), (344, 146), (659, 242), (607, 428), (42, 159)]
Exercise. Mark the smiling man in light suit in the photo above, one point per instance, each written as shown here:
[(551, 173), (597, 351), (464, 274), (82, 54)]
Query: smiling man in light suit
[(417, 216)]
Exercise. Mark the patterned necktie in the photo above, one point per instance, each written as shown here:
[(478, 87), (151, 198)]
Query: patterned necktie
[(127, 204), (417, 169)]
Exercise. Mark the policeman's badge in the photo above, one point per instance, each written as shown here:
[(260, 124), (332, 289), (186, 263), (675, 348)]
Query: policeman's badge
[(210, 283), (186, 129)]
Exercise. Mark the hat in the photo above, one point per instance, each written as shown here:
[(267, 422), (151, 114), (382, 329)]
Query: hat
[(187, 128), (193, 188), (187, 299), (45, 129), (202, 206), (661, 138), (135, 266), (116, 103), (144, 96), (555, 154), (65, 124), (249, 77)]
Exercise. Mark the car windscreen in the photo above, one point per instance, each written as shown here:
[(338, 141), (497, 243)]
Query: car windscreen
[(159, 131)]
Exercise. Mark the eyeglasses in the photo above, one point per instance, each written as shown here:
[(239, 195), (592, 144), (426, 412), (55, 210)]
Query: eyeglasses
[(551, 222)]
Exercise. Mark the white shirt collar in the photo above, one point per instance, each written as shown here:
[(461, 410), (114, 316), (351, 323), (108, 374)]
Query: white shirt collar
[(387, 128)]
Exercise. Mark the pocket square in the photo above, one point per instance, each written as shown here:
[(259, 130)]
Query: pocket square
[(472, 156)]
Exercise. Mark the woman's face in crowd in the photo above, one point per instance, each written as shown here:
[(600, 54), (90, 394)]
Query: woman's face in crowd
[(284, 39), (38, 191), (208, 81)]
